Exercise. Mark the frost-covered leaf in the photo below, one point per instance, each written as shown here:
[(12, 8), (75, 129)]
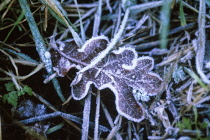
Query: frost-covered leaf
[(121, 71)]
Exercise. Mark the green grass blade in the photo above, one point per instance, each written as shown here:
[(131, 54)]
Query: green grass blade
[(181, 14), (194, 76), (165, 20), (15, 24), (55, 128)]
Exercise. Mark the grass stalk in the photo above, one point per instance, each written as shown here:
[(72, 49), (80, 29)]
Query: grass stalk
[(40, 45), (165, 18)]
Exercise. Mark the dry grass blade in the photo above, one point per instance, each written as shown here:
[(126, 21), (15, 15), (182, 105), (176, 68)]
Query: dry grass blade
[(60, 14)]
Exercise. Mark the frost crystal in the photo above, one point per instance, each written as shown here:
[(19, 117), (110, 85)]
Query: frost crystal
[(179, 74), (47, 54), (28, 109), (141, 95)]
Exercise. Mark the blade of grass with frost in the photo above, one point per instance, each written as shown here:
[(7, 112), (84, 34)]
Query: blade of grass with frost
[(201, 41), (81, 24), (165, 20), (181, 14), (22, 55), (128, 3), (194, 76), (207, 2), (86, 117), (59, 13), (97, 19), (98, 97), (15, 24), (40, 45), (64, 115)]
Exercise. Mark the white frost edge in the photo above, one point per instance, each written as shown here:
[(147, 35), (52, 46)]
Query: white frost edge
[(150, 71), (124, 114), (147, 57), (83, 94), (90, 40), (108, 85), (134, 61), (158, 76)]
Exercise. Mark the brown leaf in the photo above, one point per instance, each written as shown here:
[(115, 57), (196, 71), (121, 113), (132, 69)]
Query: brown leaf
[(121, 71)]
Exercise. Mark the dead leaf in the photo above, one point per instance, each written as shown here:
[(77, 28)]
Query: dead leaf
[(121, 71)]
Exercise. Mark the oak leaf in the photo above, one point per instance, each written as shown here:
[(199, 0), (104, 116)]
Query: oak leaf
[(121, 70)]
